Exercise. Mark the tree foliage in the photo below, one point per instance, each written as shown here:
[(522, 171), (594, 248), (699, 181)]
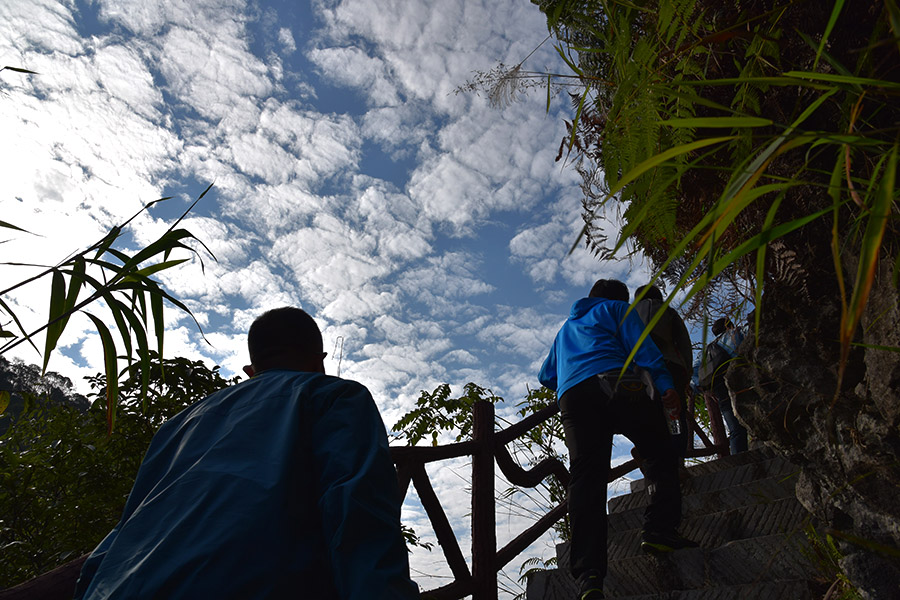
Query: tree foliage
[(721, 128), (436, 413), (64, 478)]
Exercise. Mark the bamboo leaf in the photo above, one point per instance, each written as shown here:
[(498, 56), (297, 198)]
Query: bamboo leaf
[(4, 401), (894, 18), (869, 251), (156, 308), (169, 240), (11, 226), (19, 70), (15, 318), (548, 93), (851, 80), (104, 244), (137, 327), (59, 314), (757, 241), (57, 308), (835, 11), (110, 361), (718, 122), (147, 271), (781, 81), (655, 161), (575, 68), (121, 325)]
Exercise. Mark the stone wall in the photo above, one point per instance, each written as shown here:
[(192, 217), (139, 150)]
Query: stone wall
[(847, 444)]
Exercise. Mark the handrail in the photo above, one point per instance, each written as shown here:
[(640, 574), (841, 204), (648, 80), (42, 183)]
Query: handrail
[(486, 448)]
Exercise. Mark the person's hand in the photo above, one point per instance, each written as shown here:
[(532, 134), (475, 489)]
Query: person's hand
[(672, 402)]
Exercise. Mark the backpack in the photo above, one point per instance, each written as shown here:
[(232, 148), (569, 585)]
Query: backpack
[(713, 357), (670, 335)]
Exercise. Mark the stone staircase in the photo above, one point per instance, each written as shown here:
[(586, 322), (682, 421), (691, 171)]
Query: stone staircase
[(743, 512)]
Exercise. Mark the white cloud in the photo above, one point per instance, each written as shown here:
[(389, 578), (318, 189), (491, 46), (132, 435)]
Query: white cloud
[(41, 24), (210, 72), (403, 256), (286, 39), (354, 68)]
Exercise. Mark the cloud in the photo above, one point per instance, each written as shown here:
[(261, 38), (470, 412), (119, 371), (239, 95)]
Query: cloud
[(352, 67), (425, 230), (38, 25), (286, 39)]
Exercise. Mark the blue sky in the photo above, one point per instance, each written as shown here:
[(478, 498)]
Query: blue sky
[(426, 229)]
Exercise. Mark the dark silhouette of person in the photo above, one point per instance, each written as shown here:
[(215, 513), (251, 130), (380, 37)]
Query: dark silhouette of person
[(584, 367), (674, 342), (281, 486)]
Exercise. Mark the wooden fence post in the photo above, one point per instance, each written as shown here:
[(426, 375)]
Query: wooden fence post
[(484, 534)]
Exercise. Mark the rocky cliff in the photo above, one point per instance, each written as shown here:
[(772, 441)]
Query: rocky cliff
[(847, 442)]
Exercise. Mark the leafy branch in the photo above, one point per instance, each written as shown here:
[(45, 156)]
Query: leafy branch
[(125, 286)]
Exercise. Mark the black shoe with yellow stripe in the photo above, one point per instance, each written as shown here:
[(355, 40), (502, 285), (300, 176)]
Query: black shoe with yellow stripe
[(590, 586), (662, 543)]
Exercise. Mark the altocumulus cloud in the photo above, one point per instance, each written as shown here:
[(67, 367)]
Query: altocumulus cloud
[(427, 233)]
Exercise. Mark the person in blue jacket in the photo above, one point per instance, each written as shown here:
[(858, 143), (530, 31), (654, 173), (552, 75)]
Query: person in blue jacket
[(279, 487), (729, 337), (596, 401)]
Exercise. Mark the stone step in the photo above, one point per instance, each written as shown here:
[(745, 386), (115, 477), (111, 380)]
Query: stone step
[(707, 480), (714, 465), (740, 562), (743, 512), (784, 516), (551, 585), (760, 491)]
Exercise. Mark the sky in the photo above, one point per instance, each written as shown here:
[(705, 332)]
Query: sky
[(427, 232)]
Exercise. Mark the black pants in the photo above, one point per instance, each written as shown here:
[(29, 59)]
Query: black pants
[(680, 442), (590, 418)]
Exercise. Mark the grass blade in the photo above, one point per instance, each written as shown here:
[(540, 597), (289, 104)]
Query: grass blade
[(718, 122), (110, 361), (869, 251), (835, 11), (57, 309)]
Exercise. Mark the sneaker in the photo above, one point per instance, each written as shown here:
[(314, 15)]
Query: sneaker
[(661, 543), (590, 586)]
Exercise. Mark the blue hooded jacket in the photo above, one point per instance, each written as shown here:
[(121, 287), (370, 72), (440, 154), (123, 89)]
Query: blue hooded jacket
[(597, 338), (279, 487)]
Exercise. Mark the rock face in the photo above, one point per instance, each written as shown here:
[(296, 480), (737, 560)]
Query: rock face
[(847, 444)]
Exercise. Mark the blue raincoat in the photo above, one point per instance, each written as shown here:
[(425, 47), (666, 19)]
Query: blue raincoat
[(597, 338), (279, 487)]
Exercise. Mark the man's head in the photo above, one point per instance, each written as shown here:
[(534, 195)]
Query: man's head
[(652, 292), (720, 325), (611, 289), (285, 338)]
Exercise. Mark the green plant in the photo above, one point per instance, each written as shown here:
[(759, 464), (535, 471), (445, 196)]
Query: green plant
[(721, 128), (436, 412), (123, 283), (64, 478), (823, 553)]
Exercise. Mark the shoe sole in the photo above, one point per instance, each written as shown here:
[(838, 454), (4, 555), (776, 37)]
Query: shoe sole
[(656, 549), (651, 548)]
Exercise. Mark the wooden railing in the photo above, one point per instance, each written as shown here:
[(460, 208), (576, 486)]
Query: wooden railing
[(487, 447)]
